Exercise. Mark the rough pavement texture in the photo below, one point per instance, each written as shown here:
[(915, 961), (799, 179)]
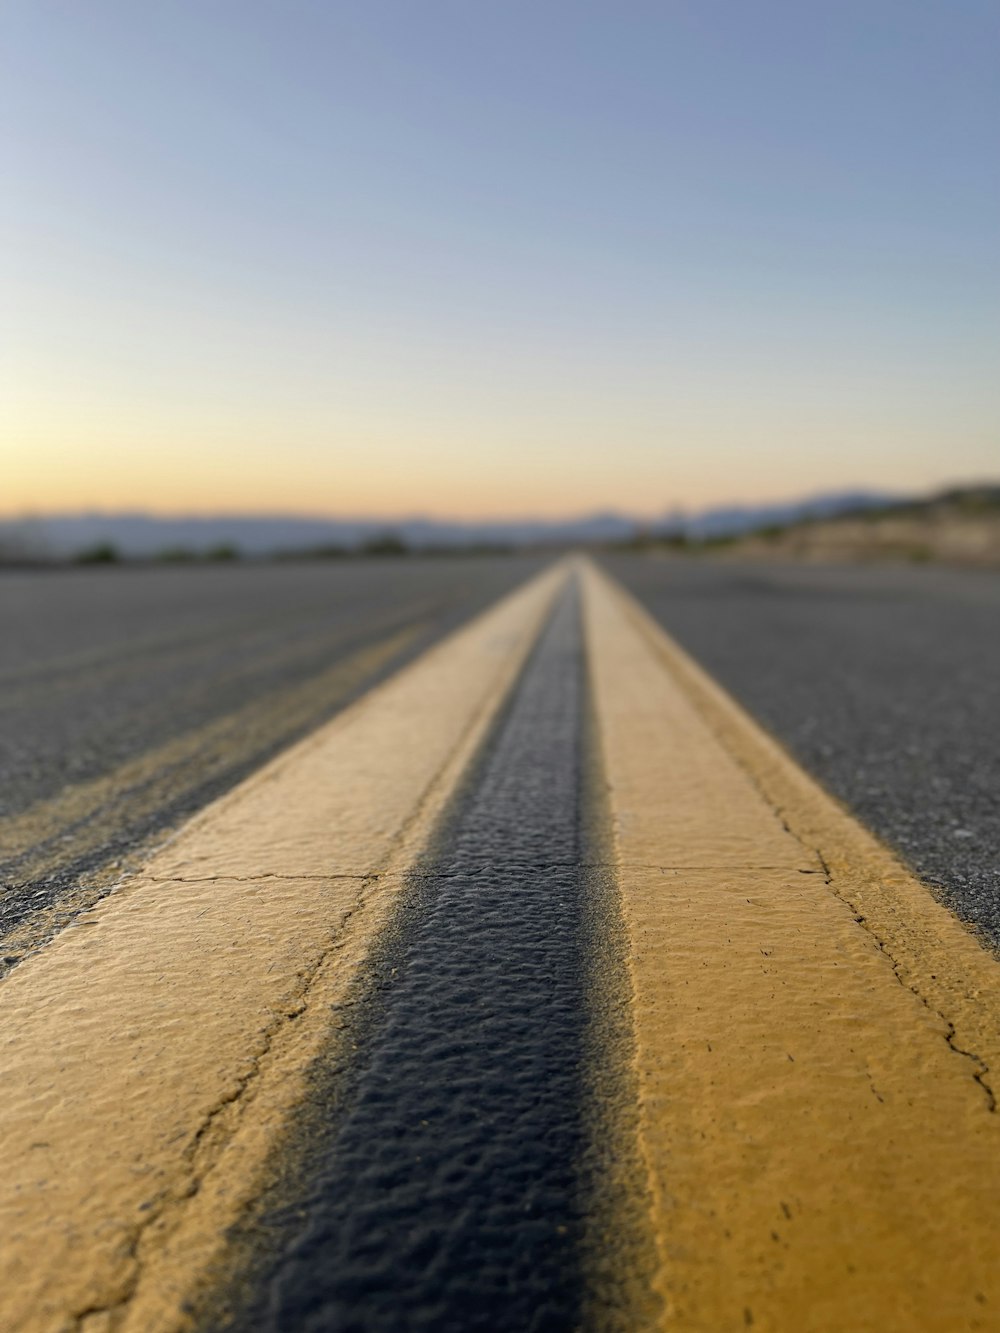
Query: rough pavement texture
[(98, 665), (883, 681), (450, 1196), (170, 685)]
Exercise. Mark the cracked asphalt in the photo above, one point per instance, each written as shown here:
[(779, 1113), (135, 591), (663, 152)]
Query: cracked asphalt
[(543, 1044), (170, 685), (457, 1199), (882, 681), (131, 697)]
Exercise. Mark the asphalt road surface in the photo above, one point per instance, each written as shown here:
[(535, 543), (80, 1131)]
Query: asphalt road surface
[(536, 994), (460, 1199), (131, 697), (883, 681)]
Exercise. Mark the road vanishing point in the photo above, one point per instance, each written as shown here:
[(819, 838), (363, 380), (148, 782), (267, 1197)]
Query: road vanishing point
[(440, 946)]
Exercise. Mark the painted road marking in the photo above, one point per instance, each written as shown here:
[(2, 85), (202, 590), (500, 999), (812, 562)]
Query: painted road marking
[(76, 828), (822, 1153), (813, 1033), (445, 1188), (151, 1040)]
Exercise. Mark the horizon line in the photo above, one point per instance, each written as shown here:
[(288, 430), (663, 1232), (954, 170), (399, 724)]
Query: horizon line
[(417, 516)]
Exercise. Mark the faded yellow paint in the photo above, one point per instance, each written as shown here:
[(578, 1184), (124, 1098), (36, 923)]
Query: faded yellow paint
[(87, 816), (822, 1154), (148, 1058)]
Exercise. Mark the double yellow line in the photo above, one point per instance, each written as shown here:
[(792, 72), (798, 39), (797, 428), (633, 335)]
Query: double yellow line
[(820, 1145)]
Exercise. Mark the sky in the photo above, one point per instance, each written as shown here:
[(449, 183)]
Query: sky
[(478, 258)]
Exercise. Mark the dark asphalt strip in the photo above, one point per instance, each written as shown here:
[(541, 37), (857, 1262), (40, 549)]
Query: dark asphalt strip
[(448, 1190)]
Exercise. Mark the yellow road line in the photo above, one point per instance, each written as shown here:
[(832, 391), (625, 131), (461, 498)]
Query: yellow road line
[(148, 1058), (822, 1155), (90, 815)]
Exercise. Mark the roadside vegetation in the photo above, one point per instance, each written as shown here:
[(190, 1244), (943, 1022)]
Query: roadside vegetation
[(107, 554), (957, 526)]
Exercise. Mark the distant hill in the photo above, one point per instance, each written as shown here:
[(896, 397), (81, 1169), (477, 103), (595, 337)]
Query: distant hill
[(738, 520), (958, 526), (145, 536)]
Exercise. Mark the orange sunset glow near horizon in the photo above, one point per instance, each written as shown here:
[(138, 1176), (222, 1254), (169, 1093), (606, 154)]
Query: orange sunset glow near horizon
[(481, 262)]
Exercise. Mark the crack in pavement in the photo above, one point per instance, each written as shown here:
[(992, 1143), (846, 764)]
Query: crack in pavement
[(736, 732), (210, 1138)]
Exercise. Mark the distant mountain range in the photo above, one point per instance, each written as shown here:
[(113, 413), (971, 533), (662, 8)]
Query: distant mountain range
[(139, 536)]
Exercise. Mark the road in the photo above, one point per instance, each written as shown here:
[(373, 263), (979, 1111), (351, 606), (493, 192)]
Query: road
[(131, 697), (494, 999), (883, 681), (539, 989)]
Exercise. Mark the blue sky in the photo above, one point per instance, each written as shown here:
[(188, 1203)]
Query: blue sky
[(475, 258)]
